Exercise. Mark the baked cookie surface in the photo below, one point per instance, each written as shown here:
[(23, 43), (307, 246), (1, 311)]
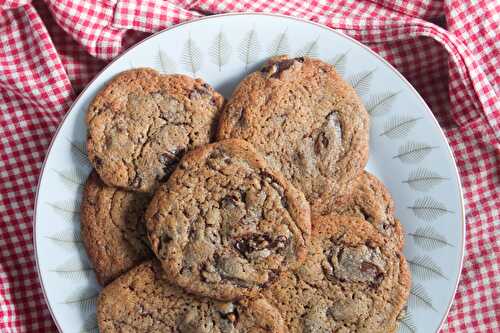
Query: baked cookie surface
[(113, 228), (141, 123), (350, 282), (307, 122), (224, 225), (143, 301), (371, 201)]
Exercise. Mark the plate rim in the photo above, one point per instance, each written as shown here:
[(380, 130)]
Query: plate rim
[(253, 13)]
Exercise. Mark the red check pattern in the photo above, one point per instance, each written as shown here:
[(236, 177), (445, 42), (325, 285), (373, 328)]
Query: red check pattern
[(449, 50)]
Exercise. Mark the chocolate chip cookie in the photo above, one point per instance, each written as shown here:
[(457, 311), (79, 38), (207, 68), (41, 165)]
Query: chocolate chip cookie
[(113, 229), (371, 201), (307, 122), (350, 281), (143, 301), (224, 225), (141, 123)]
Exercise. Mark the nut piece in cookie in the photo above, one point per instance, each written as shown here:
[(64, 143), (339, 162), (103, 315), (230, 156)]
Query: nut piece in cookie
[(371, 201), (306, 121), (143, 301), (142, 122), (224, 225), (113, 228), (350, 282)]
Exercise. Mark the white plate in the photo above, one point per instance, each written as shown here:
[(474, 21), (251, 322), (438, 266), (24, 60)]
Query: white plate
[(408, 152)]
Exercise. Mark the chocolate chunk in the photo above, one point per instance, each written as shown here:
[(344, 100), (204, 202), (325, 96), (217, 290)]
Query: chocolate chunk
[(279, 67), (136, 183), (229, 201), (97, 162), (169, 160), (263, 244), (373, 272), (200, 92), (321, 143)]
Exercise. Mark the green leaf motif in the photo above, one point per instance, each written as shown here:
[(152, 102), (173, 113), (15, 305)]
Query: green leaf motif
[(279, 45), (310, 49), (90, 324), (249, 48), (220, 50), (361, 82), (423, 179), (67, 238), (420, 298), (72, 178), (68, 210), (85, 299), (164, 63), (380, 104), (429, 209), (74, 269), (406, 324), (78, 149), (191, 57), (339, 62), (413, 152), (423, 267), (399, 126), (428, 238)]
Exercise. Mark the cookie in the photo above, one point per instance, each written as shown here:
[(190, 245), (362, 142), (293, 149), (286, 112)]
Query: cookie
[(141, 123), (370, 201), (350, 282), (224, 225), (143, 301), (307, 122), (113, 229)]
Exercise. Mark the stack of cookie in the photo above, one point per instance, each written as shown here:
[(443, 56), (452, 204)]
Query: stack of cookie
[(253, 215)]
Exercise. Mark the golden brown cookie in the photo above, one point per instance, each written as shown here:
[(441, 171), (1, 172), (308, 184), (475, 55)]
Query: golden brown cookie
[(113, 229), (141, 123), (143, 301), (350, 281), (224, 225), (369, 200), (307, 122)]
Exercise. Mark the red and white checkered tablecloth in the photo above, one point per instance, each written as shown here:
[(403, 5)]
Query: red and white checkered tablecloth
[(449, 50)]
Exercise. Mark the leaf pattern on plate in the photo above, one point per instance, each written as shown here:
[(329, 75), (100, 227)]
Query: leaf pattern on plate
[(90, 324), (361, 82), (68, 210), (67, 238), (164, 63), (191, 56), (406, 324), (74, 269), (399, 126), (428, 238), (420, 298), (79, 150), (423, 179), (85, 299), (428, 208), (279, 45), (310, 49), (220, 50), (423, 267), (381, 103), (72, 178), (339, 62), (249, 48), (413, 152)]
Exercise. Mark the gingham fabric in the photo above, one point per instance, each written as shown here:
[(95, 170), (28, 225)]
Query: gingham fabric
[(449, 50)]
